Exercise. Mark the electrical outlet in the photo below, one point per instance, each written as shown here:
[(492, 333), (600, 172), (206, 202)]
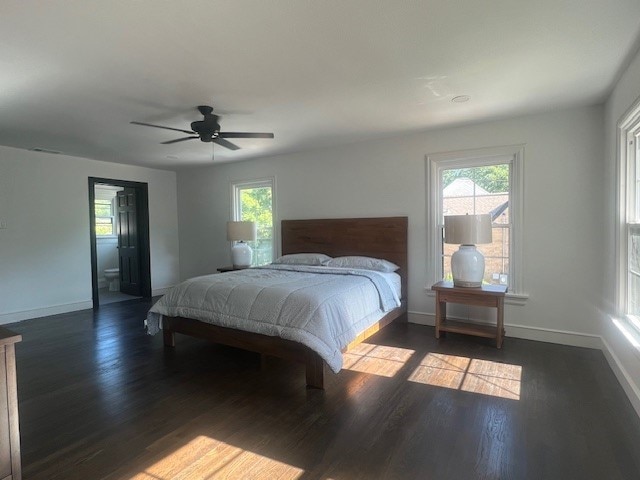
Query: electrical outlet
[(3, 224)]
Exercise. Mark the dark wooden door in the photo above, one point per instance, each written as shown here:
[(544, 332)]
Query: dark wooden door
[(128, 248)]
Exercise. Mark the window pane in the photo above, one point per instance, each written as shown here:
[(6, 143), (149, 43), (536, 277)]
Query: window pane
[(256, 205), (634, 272), (103, 208), (496, 257), (481, 190), (635, 216), (104, 226), (634, 294)]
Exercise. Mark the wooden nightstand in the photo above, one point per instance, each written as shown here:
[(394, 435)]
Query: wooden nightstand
[(485, 296), (230, 269)]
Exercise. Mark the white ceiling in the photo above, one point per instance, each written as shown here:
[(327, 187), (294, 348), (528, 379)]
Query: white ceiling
[(313, 72)]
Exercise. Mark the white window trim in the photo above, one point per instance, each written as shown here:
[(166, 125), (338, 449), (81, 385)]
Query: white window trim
[(114, 234), (108, 192), (628, 123), (237, 185), (512, 154)]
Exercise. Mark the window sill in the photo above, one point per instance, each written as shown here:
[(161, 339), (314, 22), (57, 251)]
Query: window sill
[(629, 328), (519, 299), (516, 298), (106, 238), (633, 324)]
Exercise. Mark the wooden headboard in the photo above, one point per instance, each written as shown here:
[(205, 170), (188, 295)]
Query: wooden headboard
[(381, 237)]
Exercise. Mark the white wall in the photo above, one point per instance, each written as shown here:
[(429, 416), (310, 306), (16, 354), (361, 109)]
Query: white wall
[(45, 260), (623, 356), (562, 206)]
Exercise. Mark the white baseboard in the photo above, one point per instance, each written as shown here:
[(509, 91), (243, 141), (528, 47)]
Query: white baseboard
[(44, 312), (57, 309), (626, 380), (550, 335), (421, 318), (561, 337)]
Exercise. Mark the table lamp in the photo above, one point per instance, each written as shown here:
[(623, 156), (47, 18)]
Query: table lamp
[(467, 263), (241, 232)]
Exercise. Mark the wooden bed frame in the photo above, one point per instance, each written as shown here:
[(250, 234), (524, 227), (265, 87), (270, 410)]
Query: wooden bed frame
[(384, 237)]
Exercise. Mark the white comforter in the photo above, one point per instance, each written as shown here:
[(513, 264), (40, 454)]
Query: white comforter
[(320, 307)]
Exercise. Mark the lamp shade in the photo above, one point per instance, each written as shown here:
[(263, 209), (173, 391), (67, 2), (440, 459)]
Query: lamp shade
[(467, 229), (241, 231)]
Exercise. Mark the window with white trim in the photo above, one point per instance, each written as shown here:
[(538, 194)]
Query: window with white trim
[(104, 207), (629, 216), (255, 201), (483, 181), (105, 218)]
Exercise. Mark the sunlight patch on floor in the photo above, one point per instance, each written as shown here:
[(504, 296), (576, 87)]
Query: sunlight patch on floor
[(470, 375), (207, 458), (376, 359)]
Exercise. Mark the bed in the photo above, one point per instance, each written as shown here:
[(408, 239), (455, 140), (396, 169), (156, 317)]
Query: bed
[(383, 238)]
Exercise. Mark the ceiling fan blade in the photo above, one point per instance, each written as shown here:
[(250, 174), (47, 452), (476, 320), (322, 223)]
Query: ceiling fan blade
[(160, 126), (178, 140), (224, 143), (244, 135)]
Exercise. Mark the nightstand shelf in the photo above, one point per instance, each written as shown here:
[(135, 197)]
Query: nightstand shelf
[(455, 326), (491, 296)]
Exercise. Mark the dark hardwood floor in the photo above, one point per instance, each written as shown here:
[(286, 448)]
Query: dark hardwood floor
[(99, 399)]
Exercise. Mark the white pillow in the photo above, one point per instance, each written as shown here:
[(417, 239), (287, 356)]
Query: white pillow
[(303, 259), (367, 263)]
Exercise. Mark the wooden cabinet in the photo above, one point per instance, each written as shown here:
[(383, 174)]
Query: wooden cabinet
[(486, 296), (9, 427)]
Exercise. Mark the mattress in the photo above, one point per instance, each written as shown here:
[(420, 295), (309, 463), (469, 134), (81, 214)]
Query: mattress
[(320, 307)]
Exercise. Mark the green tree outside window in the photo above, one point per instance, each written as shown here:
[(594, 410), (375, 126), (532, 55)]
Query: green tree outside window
[(256, 205)]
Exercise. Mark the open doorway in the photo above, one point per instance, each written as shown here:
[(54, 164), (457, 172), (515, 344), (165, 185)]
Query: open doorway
[(119, 229)]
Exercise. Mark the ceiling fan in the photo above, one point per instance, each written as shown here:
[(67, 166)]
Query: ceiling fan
[(208, 130)]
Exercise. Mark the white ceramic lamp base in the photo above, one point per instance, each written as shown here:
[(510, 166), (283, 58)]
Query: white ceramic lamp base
[(467, 267), (241, 255)]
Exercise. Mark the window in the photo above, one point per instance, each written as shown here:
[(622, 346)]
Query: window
[(628, 284), (480, 190), (254, 201), (104, 217), (485, 181)]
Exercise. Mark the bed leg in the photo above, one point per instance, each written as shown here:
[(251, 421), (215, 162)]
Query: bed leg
[(169, 338), (315, 372)]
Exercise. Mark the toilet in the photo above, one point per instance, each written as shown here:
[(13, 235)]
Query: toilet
[(113, 277)]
